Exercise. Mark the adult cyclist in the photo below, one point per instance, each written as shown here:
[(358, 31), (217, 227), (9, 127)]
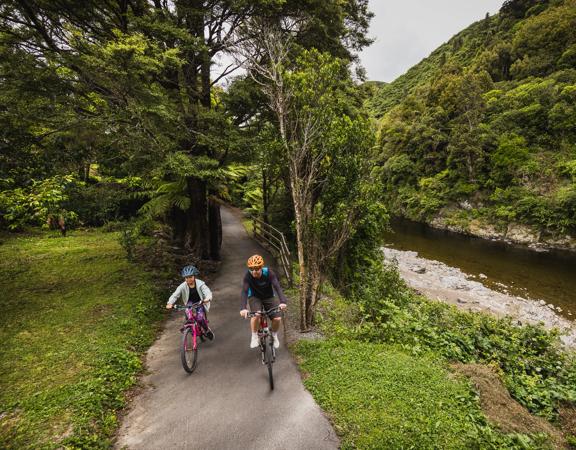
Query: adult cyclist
[(258, 288)]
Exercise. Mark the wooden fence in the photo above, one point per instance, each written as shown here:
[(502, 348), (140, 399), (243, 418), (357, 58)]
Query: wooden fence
[(274, 240)]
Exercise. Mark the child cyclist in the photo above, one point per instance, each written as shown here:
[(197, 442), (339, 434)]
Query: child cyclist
[(258, 290), (191, 291)]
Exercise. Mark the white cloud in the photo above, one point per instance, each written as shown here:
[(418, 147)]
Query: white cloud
[(408, 31)]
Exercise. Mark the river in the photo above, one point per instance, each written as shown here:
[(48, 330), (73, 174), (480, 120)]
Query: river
[(548, 276)]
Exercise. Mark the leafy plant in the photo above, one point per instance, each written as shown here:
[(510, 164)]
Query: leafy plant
[(36, 203)]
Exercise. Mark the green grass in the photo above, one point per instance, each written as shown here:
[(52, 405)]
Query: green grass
[(75, 318), (378, 396)]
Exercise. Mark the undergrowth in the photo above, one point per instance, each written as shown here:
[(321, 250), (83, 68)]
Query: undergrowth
[(382, 340), (536, 369)]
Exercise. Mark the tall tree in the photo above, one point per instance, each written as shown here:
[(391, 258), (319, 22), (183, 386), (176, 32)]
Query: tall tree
[(139, 75), (326, 146)]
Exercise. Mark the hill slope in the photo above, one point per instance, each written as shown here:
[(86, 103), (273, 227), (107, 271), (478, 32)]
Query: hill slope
[(481, 135)]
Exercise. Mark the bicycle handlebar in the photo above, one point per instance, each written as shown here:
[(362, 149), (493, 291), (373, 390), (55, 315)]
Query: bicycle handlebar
[(183, 308)]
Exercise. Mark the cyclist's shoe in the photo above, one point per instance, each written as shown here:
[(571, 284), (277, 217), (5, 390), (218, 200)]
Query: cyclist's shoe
[(276, 341), (254, 341), (209, 334)]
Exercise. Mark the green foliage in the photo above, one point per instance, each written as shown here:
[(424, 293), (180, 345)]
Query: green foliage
[(90, 326), (64, 196), (508, 159), (36, 203), (497, 115), (108, 200), (132, 234), (130, 86), (542, 40), (537, 372), (399, 169)]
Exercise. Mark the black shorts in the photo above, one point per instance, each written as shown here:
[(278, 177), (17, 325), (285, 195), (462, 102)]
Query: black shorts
[(257, 304)]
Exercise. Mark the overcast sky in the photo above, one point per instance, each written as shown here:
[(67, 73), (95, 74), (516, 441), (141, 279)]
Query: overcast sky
[(407, 31)]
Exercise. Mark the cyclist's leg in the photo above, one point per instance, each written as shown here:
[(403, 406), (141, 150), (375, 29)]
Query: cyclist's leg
[(269, 303), (206, 308), (202, 317), (254, 304), (276, 317)]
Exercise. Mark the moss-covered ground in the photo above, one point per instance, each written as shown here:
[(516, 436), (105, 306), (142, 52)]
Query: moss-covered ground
[(75, 319)]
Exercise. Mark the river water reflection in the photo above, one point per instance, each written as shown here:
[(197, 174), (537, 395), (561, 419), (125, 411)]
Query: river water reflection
[(549, 276)]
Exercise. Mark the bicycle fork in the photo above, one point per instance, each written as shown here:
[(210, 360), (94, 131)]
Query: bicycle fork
[(194, 337), (266, 339)]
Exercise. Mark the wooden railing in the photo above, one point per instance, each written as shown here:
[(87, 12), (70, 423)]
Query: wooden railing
[(274, 240)]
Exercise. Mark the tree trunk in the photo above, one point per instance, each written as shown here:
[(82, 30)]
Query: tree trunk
[(302, 264), (177, 220), (197, 230), (313, 294), (215, 226), (265, 201)]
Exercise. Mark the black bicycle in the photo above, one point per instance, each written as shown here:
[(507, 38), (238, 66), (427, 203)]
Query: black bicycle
[(266, 341)]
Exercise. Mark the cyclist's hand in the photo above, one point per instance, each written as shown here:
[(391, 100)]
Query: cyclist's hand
[(283, 306), (244, 313), (169, 306), (207, 300)]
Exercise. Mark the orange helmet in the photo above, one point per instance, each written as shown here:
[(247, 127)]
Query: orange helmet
[(255, 262)]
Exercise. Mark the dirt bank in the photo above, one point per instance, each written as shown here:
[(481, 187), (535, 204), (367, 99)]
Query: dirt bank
[(512, 234)]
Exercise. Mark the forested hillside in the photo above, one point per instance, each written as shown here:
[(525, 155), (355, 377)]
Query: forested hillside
[(481, 135)]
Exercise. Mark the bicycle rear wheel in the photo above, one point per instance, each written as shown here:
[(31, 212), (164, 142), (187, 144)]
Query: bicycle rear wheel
[(269, 358), (189, 351)]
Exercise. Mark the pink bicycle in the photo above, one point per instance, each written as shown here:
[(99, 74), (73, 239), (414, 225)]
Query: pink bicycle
[(195, 328)]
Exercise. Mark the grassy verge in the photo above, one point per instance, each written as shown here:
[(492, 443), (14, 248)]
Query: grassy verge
[(378, 396), (75, 318), (381, 375)]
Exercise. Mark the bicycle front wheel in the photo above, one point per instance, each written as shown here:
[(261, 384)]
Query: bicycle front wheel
[(189, 351), (269, 358)]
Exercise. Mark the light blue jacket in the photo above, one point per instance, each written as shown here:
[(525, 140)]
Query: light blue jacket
[(183, 291)]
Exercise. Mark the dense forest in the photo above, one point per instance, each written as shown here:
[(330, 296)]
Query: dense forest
[(116, 129), (112, 114), (482, 133)]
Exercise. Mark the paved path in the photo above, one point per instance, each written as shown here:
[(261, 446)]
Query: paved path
[(226, 403)]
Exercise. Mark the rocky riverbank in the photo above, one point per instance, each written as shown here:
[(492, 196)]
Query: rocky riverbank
[(438, 281)]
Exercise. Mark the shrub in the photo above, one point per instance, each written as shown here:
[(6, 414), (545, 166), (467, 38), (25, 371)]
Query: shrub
[(34, 204), (99, 203)]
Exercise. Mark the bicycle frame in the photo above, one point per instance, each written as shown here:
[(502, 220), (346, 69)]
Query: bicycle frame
[(191, 322), (263, 333), (192, 326), (266, 341)]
